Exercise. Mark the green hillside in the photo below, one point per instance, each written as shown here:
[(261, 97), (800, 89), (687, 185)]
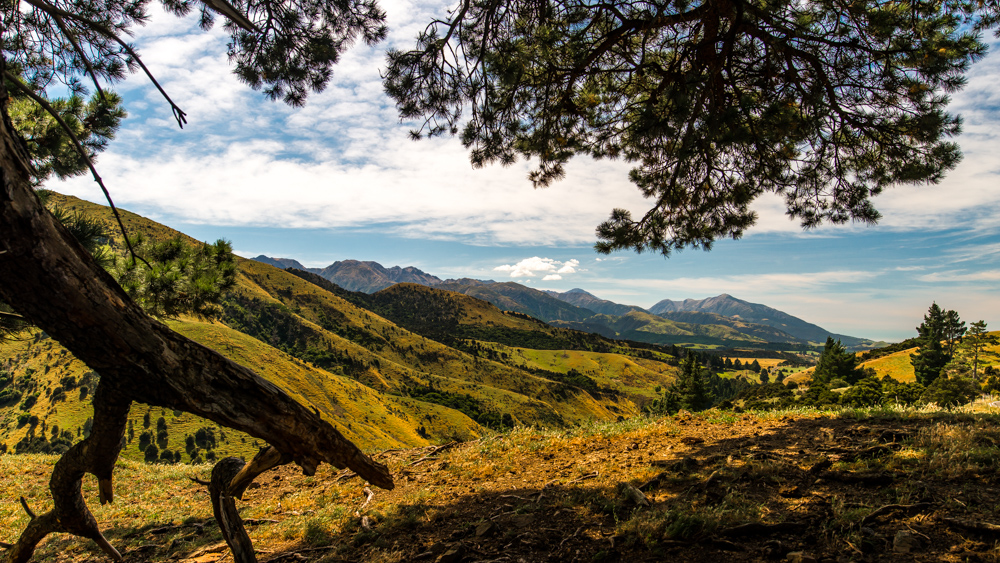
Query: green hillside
[(407, 366)]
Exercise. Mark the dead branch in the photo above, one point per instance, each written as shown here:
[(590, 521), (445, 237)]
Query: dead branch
[(95, 454), (889, 508), (224, 506), (634, 494), (971, 526), (584, 478), (24, 504), (759, 529), (345, 475), (266, 458), (370, 496)]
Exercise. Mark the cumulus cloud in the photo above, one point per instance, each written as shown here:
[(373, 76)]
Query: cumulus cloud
[(547, 267)]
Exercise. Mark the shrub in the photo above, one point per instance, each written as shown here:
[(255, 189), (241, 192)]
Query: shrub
[(950, 392)]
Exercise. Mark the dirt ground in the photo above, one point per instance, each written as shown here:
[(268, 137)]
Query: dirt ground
[(686, 488)]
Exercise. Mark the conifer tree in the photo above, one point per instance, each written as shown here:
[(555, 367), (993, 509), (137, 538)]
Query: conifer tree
[(715, 102), (690, 385), (836, 363), (931, 356), (975, 347)]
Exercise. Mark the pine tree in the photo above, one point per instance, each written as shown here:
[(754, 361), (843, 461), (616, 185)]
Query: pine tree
[(715, 103), (690, 385), (931, 356), (836, 362), (975, 347)]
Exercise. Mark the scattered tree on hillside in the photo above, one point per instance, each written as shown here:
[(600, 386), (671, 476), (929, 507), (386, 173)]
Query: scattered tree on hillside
[(954, 330), (974, 349), (835, 362)]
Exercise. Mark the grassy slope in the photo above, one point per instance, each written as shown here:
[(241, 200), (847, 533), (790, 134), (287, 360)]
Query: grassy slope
[(399, 358), (364, 406), (558, 496)]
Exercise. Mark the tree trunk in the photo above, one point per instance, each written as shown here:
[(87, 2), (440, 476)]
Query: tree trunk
[(49, 278)]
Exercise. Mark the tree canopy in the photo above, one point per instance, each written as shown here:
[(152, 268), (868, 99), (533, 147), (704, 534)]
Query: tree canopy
[(716, 102)]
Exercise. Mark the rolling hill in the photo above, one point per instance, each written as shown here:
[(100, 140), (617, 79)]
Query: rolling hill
[(405, 366)]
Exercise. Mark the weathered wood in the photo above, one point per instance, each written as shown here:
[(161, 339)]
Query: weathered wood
[(95, 454), (266, 458), (224, 507)]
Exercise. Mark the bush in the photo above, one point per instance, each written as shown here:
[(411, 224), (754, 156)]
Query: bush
[(151, 453), (865, 393), (950, 392)]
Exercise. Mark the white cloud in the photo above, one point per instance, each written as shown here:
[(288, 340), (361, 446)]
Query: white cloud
[(530, 267), (569, 267)]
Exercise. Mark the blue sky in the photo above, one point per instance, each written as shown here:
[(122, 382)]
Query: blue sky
[(339, 179)]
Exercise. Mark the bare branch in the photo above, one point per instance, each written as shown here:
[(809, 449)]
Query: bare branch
[(79, 148), (179, 114)]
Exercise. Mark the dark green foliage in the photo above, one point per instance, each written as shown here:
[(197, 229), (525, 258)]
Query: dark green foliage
[(58, 443), (465, 404), (94, 123), (906, 394), (975, 348), (766, 396), (866, 392), (953, 330), (29, 401), (819, 395), (826, 103), (688, 391), (931, 357), (151, 453), (8, 394), (145, 439), (950, 392), (179, 278), (204, 438), (836, 363)]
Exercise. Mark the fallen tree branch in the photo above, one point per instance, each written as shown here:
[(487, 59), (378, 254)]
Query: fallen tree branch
[(584, 478), (370, 496), (971, 526), (759, 529), (889, 508)]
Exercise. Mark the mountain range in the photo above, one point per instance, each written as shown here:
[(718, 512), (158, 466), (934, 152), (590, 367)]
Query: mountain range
[(723, 320)]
